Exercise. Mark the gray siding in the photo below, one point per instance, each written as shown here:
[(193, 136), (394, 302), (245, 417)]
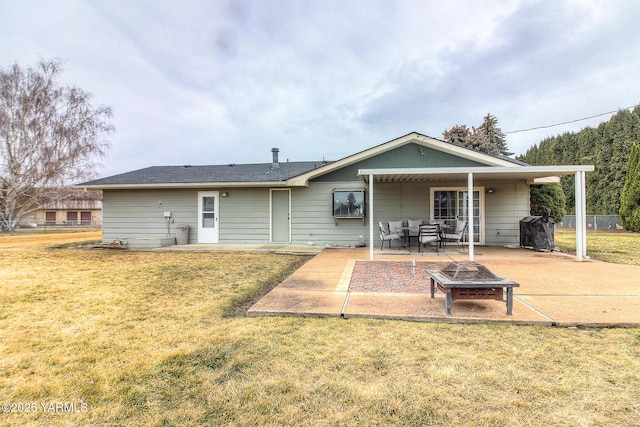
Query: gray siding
[(244, 215), (503, 211), (130, 214), (312, 220)]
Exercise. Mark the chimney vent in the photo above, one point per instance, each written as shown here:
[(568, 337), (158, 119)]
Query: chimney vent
[(275, 163)]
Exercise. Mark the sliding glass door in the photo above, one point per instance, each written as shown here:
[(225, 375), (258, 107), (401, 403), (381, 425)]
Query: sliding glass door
[(452, 204)]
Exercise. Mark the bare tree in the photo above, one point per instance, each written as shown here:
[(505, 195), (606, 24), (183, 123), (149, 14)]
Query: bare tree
[(50, 136)]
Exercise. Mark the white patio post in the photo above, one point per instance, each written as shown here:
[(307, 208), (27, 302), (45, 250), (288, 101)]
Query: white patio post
[(470, 213), (580, 216), (371, 217), (583, 175)]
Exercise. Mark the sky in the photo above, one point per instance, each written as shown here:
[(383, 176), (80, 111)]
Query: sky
[(223, 81)]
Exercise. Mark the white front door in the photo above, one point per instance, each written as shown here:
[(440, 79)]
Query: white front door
[(208, 212)]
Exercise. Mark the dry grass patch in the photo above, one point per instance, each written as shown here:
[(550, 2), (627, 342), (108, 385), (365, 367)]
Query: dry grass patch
[(147, 339), (616, 247)]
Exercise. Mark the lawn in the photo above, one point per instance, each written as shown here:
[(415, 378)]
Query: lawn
[(617, 247), (108, 337)]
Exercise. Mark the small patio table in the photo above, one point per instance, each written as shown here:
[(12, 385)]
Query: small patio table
[(466, 287)]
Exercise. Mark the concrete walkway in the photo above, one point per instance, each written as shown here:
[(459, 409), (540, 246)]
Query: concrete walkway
[(555, 290)]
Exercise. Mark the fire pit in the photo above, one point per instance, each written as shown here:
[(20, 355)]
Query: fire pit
[(470, 280), (467, 270)]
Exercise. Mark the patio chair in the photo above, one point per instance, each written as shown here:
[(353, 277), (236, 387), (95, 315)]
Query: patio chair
[(395, 227), (385, 236), (414, 229), (429, 234), (458, 235)]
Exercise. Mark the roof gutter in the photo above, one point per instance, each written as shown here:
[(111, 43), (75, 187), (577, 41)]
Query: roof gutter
[(180, 185)]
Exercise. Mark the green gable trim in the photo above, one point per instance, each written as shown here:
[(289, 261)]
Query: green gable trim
[(407, 156)]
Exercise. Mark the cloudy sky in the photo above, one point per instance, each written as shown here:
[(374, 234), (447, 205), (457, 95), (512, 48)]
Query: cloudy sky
[(224, 81)]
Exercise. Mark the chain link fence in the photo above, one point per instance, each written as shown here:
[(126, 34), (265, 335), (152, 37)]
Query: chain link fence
[(594, 222)]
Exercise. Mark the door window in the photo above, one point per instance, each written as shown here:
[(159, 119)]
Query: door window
[(208, 212)]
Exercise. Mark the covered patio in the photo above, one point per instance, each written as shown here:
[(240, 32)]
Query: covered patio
[(554, 290), (528, 174)]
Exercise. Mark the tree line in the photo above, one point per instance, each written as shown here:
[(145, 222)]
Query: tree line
[(607, 147), (613, 148)]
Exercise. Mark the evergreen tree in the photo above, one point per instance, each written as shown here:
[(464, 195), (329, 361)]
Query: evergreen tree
[(548, 196), (630, 198), (495, 141), (457, 135), (585, 143), (607, 147), (487, 138)]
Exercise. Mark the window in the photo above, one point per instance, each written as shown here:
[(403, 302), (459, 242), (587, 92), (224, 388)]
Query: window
[(72, 218), (85, 218), (208, 212), (348, 203), (50, 217)]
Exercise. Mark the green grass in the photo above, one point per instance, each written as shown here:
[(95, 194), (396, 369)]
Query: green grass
[(616, 247), (158, 339)]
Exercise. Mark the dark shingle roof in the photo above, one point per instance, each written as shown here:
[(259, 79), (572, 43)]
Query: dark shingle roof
[(231, 173), (250, 173)]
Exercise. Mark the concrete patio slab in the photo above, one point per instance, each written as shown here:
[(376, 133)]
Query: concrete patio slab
[(554, 289), (593, 310), (283, 301), (423, 308)]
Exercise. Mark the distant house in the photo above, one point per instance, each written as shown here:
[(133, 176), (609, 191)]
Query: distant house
[(326, 203), (77, 208)]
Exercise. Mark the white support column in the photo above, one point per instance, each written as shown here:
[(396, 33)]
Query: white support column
[(580, 216), (470, 213), (583, 176), (371, 220)]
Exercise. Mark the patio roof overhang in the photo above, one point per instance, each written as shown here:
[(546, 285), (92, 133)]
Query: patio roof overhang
[(530, 174)]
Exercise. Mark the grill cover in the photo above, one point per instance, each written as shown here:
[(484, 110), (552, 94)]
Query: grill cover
[(537, 232)]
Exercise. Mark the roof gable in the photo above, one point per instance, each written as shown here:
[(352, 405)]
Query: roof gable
[(434, 153), (409, 155)]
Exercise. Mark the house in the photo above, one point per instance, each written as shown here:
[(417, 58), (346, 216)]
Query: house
[(328, 203), (66, 209)]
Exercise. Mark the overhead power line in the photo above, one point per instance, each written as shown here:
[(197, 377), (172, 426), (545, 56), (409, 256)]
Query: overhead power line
[(570, 121)]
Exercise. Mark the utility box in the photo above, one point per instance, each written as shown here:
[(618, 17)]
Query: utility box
[(182, 235)]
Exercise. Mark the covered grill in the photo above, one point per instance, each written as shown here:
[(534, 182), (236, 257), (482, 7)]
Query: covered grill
[(537, 232)]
